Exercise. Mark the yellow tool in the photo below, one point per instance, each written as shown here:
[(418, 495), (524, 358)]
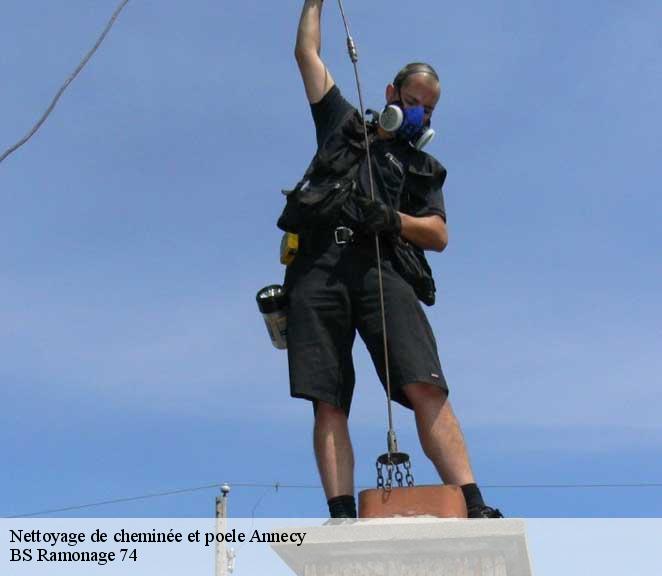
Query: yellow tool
[(289, 247)]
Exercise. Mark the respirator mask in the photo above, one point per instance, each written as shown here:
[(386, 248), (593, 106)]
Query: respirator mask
[(407, 124)]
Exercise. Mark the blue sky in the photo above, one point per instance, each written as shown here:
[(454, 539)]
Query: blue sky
[(137, 225)]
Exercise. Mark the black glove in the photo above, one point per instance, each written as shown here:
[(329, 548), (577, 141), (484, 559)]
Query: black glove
[(378, 217)]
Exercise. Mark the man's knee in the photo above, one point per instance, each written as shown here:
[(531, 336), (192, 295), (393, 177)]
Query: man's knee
[(423, 394), (329, 415)]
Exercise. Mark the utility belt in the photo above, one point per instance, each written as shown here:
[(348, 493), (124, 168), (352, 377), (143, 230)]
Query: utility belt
[(408, 261), (306, 219), (347, 237)]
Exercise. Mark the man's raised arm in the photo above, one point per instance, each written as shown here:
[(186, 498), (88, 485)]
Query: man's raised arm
[(316, 78)]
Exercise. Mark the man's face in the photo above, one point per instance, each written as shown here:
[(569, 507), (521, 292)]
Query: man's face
[(418, 90)]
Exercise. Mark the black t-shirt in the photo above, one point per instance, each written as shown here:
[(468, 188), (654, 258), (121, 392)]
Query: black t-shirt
[(393, 162), (328, 113)]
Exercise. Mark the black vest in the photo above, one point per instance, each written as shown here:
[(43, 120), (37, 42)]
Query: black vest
[(338, 173)]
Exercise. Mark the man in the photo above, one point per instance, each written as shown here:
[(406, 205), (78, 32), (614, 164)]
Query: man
[(332, 284)]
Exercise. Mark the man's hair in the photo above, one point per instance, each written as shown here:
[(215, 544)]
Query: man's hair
[(411, 69)]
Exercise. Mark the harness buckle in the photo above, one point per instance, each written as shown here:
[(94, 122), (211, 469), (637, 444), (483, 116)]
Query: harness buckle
[(343, 235)]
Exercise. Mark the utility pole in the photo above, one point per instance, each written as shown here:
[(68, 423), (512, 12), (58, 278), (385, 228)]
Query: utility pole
[(222, 555)]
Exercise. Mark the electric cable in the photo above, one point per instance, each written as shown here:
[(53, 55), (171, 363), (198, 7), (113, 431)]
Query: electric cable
[(278, 485), (253, 510), (117, 501), (68, 81)]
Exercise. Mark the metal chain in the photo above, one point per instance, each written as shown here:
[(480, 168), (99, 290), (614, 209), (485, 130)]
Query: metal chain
[(394, 472), (409, 477), (389, 477), (399, 476), (380, 477)]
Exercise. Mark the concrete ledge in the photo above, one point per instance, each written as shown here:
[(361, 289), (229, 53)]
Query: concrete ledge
[(411, 546)]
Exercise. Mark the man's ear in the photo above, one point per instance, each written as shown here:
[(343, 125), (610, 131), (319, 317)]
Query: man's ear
[(391, 93)]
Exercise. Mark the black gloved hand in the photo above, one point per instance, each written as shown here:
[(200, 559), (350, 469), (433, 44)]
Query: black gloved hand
[(378, 217)]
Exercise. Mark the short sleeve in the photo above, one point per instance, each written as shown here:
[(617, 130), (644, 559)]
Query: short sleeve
[(328, 113), (424, 194), (436, 204)]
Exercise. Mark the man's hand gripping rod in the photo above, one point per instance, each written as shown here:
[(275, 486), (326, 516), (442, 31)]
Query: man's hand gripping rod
[(393, 458)]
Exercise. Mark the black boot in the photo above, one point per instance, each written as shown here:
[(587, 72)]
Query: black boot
[(476, 507), (342, 506)]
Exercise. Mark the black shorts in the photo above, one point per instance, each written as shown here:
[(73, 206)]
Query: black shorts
[(333, 293)]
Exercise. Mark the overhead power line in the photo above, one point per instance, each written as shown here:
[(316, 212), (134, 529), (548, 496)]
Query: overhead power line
[(148, 496), (278, 485), (116, 501), (68, 81)]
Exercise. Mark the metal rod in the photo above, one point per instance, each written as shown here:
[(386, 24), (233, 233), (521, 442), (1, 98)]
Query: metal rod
[(354, 57)]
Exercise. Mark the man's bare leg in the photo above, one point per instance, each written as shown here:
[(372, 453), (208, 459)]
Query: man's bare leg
[(333, 451), (443, 443), (440, 434)]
